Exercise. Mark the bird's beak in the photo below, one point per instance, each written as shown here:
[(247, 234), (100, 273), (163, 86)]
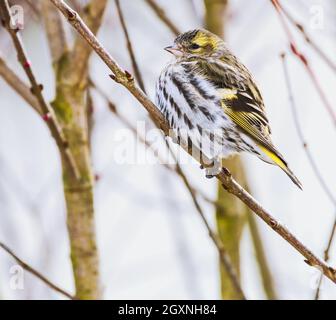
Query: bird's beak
[(175, 50)]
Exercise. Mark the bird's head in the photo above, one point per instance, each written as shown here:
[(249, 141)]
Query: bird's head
[(197, 43)]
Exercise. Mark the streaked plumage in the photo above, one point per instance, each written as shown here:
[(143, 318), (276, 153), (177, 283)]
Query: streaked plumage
[(210, 98)]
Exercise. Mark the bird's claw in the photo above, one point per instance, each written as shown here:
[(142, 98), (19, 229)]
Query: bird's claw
[(213, 170)]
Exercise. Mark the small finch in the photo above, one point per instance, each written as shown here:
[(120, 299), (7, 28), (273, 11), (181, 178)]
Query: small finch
[(210, 100)]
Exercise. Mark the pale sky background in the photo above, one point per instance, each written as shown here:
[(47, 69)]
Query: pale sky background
[(152, 243)]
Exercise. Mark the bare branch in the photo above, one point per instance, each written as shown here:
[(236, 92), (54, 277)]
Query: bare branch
[(312, 162), (37, 274), (163, 17), (130, 47), (37, 90), (125, 79)]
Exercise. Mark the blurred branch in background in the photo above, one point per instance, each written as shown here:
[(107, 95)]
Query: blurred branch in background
[(297, 53), (311, 161), (307, 37), (161, 14), (37, 274), (130, 50), (232, 214), (37, 88), (125, 79)]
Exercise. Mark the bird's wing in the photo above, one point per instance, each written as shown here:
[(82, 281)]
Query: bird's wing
[(242, 103)]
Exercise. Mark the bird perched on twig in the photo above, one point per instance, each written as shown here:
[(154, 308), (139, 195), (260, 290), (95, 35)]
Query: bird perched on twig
[(211, 101)]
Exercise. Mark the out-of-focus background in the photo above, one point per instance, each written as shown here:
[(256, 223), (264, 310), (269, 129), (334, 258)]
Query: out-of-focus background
[(152, 243)]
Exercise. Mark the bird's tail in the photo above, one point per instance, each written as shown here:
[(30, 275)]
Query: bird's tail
[(278, 160)]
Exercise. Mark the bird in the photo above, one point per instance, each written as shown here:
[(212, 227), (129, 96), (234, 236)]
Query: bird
[(211, 101)]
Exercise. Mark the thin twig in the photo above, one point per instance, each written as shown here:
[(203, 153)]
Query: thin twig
[(125, 79), (307, 38), (311, 160), (301, 136), (37, 274), (161, 14), (130, 47), (297, 53), (48, 114)]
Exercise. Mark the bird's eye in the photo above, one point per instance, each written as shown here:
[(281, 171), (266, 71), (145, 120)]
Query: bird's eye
[(194, 46)]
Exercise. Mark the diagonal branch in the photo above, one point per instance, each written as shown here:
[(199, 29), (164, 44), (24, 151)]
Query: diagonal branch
[(135, 66), (125, 79), (34, 272), (311, 160), (37, 88), (163, 17)]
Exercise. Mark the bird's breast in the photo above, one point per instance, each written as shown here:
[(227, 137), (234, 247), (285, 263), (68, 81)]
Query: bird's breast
[(188, 99)]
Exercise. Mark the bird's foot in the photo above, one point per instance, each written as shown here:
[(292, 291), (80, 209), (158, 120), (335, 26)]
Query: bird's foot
[(213, 170)]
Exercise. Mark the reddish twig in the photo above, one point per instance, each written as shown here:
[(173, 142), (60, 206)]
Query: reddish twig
[(307, 38), (297, 53)]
